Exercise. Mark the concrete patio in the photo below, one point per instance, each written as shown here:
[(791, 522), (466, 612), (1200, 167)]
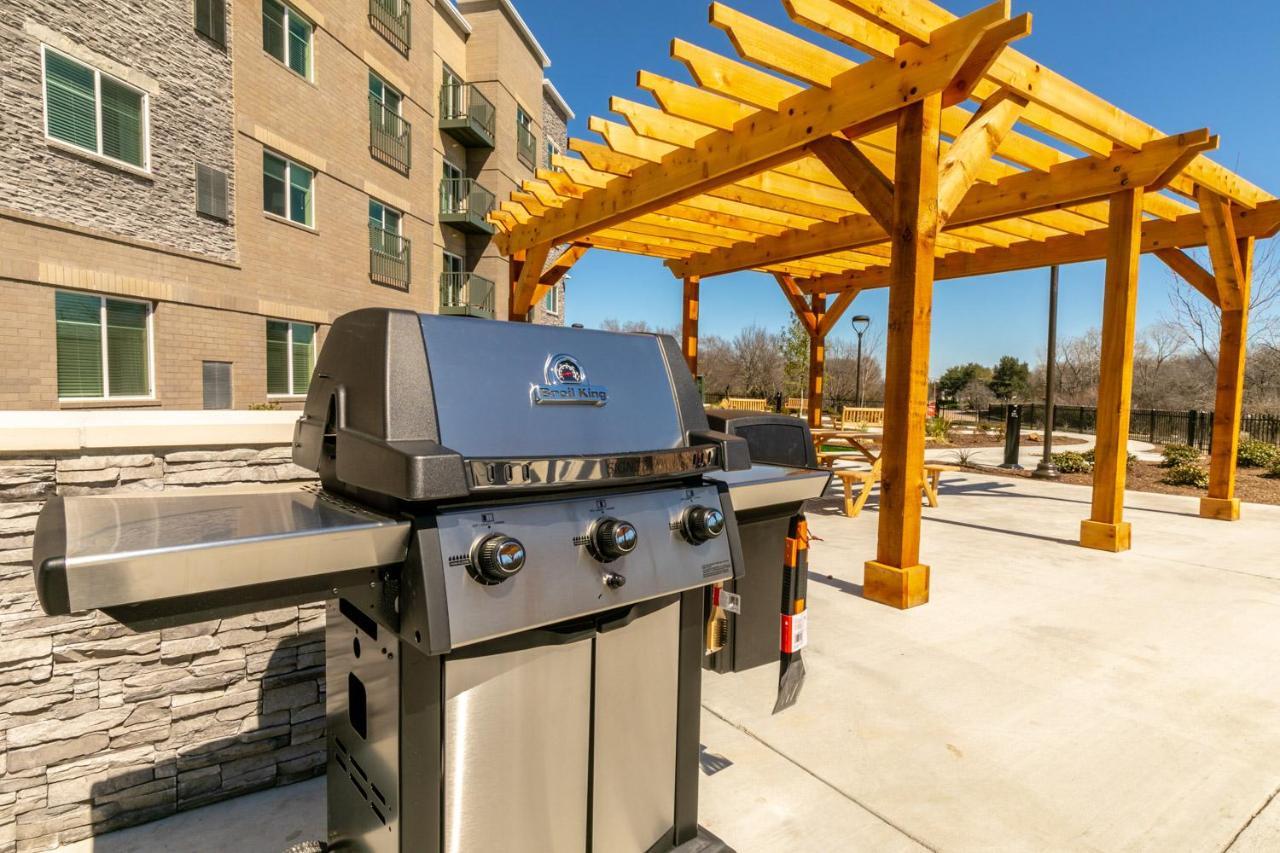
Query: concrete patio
[(1047, 698)]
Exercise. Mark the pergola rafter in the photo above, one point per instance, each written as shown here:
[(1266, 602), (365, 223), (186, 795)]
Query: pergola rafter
[(940, 153)]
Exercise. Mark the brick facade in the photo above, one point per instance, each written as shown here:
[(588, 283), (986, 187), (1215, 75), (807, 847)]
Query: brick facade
[(73, 222)]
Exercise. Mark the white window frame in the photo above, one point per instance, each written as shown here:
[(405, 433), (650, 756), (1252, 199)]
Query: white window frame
[(288, 355), (387, 87), (551, 302), (552, 148), (289, 163), (290, 12), (399, 232), (462, 264), (106, 365), (97, 106)]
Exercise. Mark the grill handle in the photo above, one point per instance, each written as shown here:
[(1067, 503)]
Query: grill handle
[(734, 452)]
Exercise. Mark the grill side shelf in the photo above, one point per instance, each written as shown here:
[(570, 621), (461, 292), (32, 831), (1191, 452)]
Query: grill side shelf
[(198, 551)]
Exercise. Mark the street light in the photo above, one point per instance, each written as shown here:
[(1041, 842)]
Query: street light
[(860, 324)]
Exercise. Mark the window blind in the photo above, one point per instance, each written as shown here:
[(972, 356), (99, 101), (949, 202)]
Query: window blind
[(72, 113), (79, 339), (211, 20), (121, 122), (128, 368), (273, 186), (277, 357), (303, 347)]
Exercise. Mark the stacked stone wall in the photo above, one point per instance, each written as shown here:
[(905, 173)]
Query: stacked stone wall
[(102, 727)]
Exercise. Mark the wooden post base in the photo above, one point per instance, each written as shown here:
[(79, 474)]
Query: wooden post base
[(1105, 536), (1222, 509), (900, 588)]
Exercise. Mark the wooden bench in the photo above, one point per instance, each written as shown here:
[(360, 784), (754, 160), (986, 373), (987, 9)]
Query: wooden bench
[(851, 415), (747, 404), (798, 405), (867, 478)]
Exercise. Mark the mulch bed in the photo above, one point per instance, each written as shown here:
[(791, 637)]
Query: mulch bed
[(1252, 484)]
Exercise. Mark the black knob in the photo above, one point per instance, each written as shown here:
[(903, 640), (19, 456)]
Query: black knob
[(496, 558), (611, 538), (613, 580), (701, 523)]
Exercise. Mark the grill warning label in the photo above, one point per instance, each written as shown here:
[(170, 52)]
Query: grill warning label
[(719, 567)]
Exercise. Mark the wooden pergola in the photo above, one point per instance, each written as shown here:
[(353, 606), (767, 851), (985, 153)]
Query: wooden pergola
[(838, 176)]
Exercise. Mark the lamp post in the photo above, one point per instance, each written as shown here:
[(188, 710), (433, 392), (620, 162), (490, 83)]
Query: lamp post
[(860, 324), (1046, 470)]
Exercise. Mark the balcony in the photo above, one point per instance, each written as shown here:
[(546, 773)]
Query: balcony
[(465, 205), (467, 115), (466, 294), (391, 20), (388, 258), (527, 146), (389, 136)]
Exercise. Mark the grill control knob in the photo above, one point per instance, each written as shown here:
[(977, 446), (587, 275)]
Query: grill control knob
[(611, 538), (702, 523), (497, 557)]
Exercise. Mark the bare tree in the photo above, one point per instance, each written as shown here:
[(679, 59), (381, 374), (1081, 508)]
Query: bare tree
[(976, 396), (1079, 360), (1199, 322), (717, 365), (1158, 344), (758, 362), (842, 370)]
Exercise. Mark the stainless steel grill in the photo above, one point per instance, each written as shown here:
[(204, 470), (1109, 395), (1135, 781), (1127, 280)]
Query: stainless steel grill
[(515, 529)]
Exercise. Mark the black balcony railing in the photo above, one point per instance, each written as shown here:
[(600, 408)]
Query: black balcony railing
[(466, 293), (466, 205), (388, 257), (391, 20), (389, 136), (467, 115), (526, 146)]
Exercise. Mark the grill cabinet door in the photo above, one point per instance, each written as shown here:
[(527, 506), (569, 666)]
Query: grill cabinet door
[(634, 787), (516, 746)]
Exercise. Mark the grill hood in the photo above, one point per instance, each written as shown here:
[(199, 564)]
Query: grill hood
[(423, 407)]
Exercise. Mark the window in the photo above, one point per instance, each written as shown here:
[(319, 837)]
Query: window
[(216, 382), (384, 217), (526, 141), (552, 149), (93, 332), (552, 302), (291, 353), (211, 192), (286, 189), (94, 111), (286, 35), (384, 94), (211, 20), (452, 190), (451, 98), (452, 264)]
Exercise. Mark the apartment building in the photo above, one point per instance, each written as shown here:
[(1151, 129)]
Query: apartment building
[(188, 201)]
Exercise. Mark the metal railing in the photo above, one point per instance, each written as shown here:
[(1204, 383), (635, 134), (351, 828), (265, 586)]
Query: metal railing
[(526, 146), (389, 135), (463, 102), (1157, 426), (388, 257), (464, 196), (466, 292), (392, 20)]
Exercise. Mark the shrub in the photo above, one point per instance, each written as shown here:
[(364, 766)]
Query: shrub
[(1091, 457), (1072, 463), (1257, 454), (1180, 454), (264, 407), (939, 429), (1187, 474)]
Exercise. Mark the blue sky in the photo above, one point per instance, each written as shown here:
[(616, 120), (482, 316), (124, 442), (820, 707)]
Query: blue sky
[(1178, 64)]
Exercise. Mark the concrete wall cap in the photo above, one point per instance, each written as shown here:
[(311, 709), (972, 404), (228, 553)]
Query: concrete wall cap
[(26, 432)]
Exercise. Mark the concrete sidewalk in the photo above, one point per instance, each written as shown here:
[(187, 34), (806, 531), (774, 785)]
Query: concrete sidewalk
[(1047, 698)]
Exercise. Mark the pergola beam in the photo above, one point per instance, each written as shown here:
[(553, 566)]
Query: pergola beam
[(796, 300), (1221, 502), (766, 139), (859, 175), (1190, 271), (1074, 182), (974, 147)]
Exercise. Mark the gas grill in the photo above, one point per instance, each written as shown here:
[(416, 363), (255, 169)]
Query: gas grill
[(514, 532)]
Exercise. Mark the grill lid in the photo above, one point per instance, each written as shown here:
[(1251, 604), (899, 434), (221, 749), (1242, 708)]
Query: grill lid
[(424, 408)]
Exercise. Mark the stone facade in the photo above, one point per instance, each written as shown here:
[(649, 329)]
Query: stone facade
[(188, 82), (555, 127), (102, 727)]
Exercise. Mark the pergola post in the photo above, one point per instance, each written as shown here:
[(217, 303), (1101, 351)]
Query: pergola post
[(689, 324), (1106, 529), (1221, 502), (817, 359), (896, 577)]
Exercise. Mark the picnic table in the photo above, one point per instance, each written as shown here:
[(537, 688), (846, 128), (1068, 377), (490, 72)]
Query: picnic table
[(863, 449)]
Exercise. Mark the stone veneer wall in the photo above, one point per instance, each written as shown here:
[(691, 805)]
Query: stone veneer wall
[(154, 47), (101, 727)]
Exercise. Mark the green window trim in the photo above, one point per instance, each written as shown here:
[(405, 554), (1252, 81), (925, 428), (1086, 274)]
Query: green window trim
[(94, 112), (288, 189), (288, 36), (83, 348), (291, 356)]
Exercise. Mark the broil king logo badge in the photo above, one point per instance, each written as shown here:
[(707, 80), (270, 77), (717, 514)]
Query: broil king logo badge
[(566, 382)]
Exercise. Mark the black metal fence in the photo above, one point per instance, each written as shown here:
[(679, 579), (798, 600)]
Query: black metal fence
[(1154, 425)]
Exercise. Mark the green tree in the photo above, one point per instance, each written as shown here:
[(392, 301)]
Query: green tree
[(1011, 379), (956, 378), (794, 343)]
